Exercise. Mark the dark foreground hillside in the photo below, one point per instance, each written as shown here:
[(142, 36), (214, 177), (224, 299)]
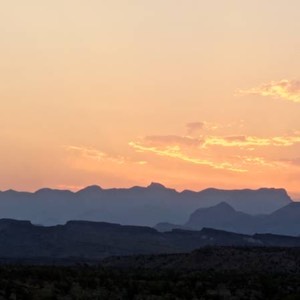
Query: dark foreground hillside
[(237, 259), (210, 273), (91, 283), (86, 241)]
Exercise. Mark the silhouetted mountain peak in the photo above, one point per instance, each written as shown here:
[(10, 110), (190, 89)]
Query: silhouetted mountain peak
[(156, 186), (137, 205), (290, 210), (90, 189), (10, 191), (223, 206), (220, 216), (46, 191)]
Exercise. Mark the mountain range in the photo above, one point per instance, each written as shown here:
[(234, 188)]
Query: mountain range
[(285, 220), (144, 206), (83, 240)]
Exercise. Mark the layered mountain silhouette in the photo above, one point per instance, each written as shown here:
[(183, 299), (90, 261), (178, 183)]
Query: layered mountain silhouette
[(285, 220), (82, 240), (137, 205)]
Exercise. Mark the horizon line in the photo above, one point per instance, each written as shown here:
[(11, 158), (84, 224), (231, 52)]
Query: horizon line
[(152, 183)]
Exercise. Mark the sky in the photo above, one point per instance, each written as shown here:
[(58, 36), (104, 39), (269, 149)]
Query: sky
[(192, 94)]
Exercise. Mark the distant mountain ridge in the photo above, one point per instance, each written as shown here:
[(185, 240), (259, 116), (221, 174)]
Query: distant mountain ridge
[(132, 206), (285, 220), (83, 240)]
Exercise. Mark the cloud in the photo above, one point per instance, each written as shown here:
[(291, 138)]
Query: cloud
[(95, 154), (238, 141), (194, 127), (239, 165), (256, 160), (176, 152), (173, 140), (87, 151), (198, 151), (251, 141), (142, 162), (291, 161), (284, 89), (236, 138)]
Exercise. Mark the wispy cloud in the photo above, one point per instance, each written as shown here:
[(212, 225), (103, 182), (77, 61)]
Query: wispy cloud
[(291, 161), (177, 153), (284, 89), (93, 153), (257, 160), (197, 127), (194, 127), (87, 151), (240, 141), (251, 141), (208, 150), (173, 140)]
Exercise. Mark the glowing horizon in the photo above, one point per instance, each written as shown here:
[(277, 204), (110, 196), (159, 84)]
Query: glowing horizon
[(191, 94)]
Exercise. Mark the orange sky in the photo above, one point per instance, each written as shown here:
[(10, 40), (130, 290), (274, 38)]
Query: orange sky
[(191, 93)]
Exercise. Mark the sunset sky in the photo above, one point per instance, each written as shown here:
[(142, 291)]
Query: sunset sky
[(192, 94)]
